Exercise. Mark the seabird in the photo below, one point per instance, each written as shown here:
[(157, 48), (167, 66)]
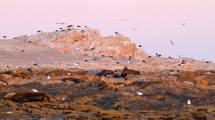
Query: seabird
[(184, 24), (92, 48), (95, 58), (158, 55), (82, 31), (70, 26), (139, 93), (189, 102), (139, 45), (35, 64), (172, 43), (144, 61), (117, 33), (48, 77), (39, 31), (170, 57), (4, 36), (35, 90), (130, 57), (183, 62)]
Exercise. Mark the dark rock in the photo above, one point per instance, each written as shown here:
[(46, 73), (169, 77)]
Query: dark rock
[(75, 80)]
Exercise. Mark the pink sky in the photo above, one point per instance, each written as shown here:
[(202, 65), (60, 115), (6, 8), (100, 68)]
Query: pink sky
[(157, 21)]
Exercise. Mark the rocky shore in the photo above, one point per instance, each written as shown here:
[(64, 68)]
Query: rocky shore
[(79, 74)]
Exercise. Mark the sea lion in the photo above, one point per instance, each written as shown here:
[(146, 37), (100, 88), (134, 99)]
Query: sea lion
[(27, 97)]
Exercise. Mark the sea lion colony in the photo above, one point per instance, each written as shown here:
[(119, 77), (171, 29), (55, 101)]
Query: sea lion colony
[(97, 82)]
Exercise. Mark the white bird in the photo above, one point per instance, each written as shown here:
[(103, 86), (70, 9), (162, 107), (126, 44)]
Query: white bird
[(48, 77), (69, 73), (75, 64), (9, 112), (35, 90), (188, 102), (139, 93)]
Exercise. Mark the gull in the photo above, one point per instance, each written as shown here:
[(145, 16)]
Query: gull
[(10, 112), (188, 102), (35, 90), (48, 77), (139, 93), (75, 64), (69, 73)]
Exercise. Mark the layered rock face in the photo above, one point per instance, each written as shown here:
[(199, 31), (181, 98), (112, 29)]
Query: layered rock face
[(89, 42)]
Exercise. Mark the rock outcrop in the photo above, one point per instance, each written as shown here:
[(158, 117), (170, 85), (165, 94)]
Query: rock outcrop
[(89, 42)]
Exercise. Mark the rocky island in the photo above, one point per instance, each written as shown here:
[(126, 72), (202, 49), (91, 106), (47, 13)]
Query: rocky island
[(76, 73)]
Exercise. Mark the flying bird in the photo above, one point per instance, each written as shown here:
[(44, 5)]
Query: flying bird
[(122, 20), (60, 23), (184, 24), (172, 43)]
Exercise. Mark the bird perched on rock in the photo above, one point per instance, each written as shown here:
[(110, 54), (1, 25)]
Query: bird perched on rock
[(35, 64), (189, 102), (144, 61), (170, 57), (35, 90), (117, 33), (158, 55), (183, 62)]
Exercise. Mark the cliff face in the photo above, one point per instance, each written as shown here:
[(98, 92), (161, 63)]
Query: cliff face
[(89, 42)]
